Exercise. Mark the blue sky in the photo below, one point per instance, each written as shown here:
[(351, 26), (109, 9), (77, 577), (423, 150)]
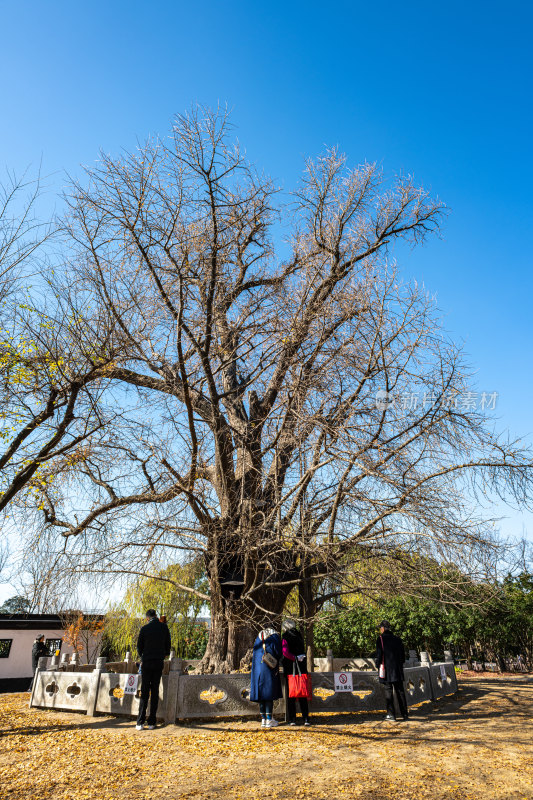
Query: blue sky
[(442, 91)]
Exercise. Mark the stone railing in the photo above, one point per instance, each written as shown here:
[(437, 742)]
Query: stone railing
[(330, 664), (183, 696)]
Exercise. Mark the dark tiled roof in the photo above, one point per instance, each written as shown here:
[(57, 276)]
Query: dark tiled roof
[(34, 622)]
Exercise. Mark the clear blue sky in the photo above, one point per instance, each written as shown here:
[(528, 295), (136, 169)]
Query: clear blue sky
[(442, 91)]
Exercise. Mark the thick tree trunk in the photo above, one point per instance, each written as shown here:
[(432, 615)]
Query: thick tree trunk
[(215, 657), (234, 628), (236, 617)]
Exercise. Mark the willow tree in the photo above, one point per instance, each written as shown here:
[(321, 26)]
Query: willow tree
[(267, 350)]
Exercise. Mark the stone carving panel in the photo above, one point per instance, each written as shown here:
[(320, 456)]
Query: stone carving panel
[(61, 690), (113, 700), (200, 696), (443, 679), (366, 693)]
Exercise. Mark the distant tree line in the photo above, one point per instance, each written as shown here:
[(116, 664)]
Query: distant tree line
[(495, 626)]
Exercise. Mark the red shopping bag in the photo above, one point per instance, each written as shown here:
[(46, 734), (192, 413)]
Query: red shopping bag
[(299, 685)]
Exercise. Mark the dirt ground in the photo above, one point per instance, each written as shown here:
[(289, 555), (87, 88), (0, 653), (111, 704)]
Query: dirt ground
[(478, 744)]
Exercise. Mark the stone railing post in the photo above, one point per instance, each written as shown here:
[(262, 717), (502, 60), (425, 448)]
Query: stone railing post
[(101, 664), (128, 663), (74, 659), (448, 657), (426, 663), (54, 661), (92, 696), (167, 666), (329, 661), (42, 666), (64, 661), (175, 671)]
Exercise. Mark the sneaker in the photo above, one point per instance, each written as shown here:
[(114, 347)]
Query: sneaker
[(405, 717), (263, 722), (292, 723), (151, 727), (139, 727), (271, 723), (306, 722), (389, 718)]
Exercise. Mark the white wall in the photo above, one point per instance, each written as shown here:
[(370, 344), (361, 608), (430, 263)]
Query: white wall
[(18, 665)]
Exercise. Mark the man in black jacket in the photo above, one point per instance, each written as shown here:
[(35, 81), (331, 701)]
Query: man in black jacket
[(391, 653), (153, 646), (39, 650)]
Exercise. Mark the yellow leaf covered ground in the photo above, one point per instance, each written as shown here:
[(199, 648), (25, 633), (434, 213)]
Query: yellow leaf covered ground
[(476, 745)]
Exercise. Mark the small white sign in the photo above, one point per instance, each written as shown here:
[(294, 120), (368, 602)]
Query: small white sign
[(131, 684), (343, 681), (443, 672)]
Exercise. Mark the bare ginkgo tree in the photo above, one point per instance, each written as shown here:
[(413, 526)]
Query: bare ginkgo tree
[(288, 408), (53, 359)]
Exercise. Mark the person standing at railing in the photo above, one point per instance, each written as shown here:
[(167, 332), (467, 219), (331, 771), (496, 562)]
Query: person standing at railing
[(39, 650), (294, 650), (153, 646), (265, 683), (390, 659)]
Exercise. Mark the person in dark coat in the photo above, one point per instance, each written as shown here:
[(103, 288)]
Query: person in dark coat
[(293, 650), (265, 683), (39, 650), (153, 646), (391, 652)]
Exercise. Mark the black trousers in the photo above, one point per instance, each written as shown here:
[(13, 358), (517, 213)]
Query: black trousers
[(150, 680), (397, 686), (291, 707)]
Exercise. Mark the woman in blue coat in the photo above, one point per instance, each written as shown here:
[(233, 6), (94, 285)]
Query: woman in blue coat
[(265, 682)]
